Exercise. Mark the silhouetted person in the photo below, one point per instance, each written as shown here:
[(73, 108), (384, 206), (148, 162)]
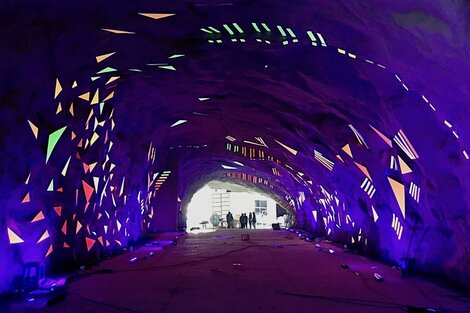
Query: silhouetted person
[(250, 220), (253, 220), (243, 219), (229, 220)]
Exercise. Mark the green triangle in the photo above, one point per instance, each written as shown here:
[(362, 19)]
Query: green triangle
[(101, 107), (167, 67), (53, 139), (107, 70), (51, 186)]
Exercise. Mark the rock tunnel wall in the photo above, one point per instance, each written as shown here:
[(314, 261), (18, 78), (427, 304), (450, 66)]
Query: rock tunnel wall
[(354, 115)]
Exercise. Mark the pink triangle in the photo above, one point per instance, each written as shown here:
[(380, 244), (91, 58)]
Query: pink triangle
[(88, 190)]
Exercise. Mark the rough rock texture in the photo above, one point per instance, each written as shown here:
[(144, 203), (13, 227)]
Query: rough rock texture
[(384, 97)]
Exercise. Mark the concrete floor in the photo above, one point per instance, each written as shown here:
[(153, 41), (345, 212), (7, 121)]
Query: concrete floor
[(272, 272)]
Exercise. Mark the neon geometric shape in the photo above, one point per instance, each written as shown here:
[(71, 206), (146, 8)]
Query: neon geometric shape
[(27, 179), (66, 245), (384, 138), (59, 108), (85, 96), (49, 251), (71, 109), (44, 236), (64, 170), (110, 96), (38, 217), (58, 209), (107, 70), (74, 84), (13, 238), (95, 99), (156, 16), (96, 181), (117, 31), (94, 138), (103, 57), (92, 166), (26, 198), (347, 149), (51, 186), (58, 88), (34, 128), (89, 243), (294, 152), (374, 214), (72, 135), (79, 226), (404, 168), (53, 139), (340, 158), (167, 67), (64, 228), (179, 122), (112, 79), (88, 190), (363, 169), (399, 192)]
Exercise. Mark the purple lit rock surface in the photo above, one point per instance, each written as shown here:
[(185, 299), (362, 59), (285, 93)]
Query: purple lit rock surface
[(353, 115)]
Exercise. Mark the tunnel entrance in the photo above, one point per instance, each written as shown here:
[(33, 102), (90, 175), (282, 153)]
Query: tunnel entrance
[(210, 205)]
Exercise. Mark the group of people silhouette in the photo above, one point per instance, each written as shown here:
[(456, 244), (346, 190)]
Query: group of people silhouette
[(244, 220)]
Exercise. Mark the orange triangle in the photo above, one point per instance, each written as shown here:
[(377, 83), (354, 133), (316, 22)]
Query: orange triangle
[(85, 96), (363, 169), (399, 192), (404, 168), (103, 57), (89, 243), (347, 149), (13, 238), (38, 217), (156, 16), (95, 99), (44, 236), (340, 158), (59, 108), (72, 137), (58, 88), (26, 198)]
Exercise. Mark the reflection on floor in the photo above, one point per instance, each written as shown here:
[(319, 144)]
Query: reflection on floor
[(273, 271)]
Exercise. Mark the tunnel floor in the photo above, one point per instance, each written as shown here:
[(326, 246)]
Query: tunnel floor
[(272, 272)]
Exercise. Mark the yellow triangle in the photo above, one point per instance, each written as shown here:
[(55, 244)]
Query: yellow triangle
[(103, 57), (85, 96), (13, 238), (94, 138), (404, 168), (74, 84), (399, 192), (92, 166), (95, 99), (156, 16), (58, 88), (363, 169), (347, 149), (59, 108), (34, 128)]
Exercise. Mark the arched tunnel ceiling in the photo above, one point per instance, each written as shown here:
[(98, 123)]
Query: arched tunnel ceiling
[(353, 113)]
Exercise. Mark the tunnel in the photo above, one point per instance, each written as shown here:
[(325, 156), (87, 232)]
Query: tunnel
[(349, 114)]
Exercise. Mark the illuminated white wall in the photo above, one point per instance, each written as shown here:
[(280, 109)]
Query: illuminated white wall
[(200, 207)]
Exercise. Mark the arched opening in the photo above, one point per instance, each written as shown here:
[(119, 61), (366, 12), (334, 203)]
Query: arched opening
[(210, 206)]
